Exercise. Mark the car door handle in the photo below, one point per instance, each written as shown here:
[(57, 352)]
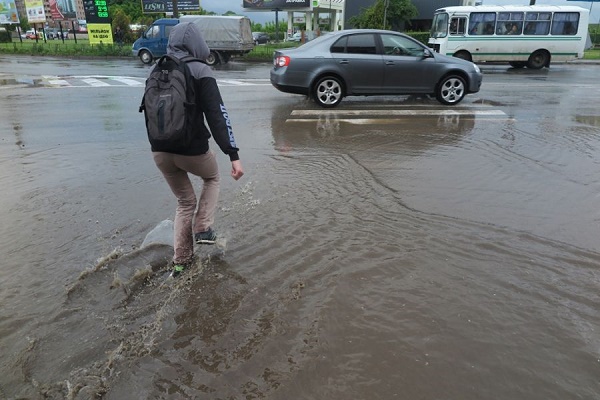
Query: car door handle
[(388, 62), (344, 62)]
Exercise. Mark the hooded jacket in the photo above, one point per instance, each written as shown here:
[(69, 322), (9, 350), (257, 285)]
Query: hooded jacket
[(185, 40)]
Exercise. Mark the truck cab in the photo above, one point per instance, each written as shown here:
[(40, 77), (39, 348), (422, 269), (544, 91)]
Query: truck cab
[(153, 42)]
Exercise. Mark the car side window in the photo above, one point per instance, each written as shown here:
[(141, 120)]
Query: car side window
[(361, 44), (339, 46), (400, 46)]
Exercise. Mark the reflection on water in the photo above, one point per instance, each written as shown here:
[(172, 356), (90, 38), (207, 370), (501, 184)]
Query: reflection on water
[(351, 130)]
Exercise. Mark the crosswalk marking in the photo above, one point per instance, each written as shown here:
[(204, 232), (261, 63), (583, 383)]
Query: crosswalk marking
[(58, 82), (82, 81), (128, 81), (95, 82), (374, 113), (385, 116)]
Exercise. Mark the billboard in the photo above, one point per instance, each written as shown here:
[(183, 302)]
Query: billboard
[(96, 11), (272, 4), (62, 9), (161, 6), (35, 11), (8, 12)]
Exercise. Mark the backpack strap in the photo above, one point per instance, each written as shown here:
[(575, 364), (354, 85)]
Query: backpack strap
[(168, 57)]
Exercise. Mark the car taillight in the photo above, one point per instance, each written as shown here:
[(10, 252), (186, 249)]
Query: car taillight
[(282, 61)]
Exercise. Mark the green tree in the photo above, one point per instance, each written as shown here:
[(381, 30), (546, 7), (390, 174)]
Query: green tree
[(397, 15), (24, 22), (122, 20)]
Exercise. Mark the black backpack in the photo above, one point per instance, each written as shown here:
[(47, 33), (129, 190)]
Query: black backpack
[(169, 104)]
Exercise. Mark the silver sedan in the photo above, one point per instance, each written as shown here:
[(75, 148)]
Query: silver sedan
[(367, 62)]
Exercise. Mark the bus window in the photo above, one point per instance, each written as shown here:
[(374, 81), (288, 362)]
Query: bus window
[(537, 23), (458, 26), (479, 21), (509, 23), (564, 23)]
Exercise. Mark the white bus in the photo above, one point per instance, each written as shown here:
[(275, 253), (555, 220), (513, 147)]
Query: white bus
[(529, 36)]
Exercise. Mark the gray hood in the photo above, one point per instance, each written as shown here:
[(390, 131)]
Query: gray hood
[(186, 39)]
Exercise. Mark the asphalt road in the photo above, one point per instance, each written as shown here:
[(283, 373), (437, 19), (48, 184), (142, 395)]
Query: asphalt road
[(389, 248)]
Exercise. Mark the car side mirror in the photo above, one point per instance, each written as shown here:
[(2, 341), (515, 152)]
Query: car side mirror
[(427, 53)]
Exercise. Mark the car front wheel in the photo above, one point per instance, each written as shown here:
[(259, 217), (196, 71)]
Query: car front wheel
[(328, 91), (451, 90), (146, 57)]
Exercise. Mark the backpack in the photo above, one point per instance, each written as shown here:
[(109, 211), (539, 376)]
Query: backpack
[(169, 104)]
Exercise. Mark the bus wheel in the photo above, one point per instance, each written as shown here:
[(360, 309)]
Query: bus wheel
[(463, 55), (538, 59), (451, 90), (145, 56), (517, 64)]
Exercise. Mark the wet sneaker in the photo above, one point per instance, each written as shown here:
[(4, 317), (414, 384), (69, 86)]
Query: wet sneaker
[(177, 270), (207, 237)]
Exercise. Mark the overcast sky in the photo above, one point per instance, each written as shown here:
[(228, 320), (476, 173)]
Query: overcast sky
[(222, 6)]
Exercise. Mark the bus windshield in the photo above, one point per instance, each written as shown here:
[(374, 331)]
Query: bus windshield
[(439, 27)]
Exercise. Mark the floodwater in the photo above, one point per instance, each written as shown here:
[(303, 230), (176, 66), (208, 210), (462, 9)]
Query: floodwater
[(389, 249)]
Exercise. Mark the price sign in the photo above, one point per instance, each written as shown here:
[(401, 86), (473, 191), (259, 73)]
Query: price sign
[(96, 11)]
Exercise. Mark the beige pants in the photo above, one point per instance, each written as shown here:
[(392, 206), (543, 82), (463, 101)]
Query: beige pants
[(175, 169)]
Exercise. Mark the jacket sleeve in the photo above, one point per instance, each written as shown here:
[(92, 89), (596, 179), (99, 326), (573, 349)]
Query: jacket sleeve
[(209, 97)]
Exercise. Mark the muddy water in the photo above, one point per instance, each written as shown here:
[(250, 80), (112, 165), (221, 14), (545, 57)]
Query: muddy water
[(365, 256)]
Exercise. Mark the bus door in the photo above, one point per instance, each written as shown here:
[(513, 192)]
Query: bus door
[(457, 30)]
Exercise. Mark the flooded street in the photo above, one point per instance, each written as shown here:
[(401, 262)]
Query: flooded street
[(391, 248)]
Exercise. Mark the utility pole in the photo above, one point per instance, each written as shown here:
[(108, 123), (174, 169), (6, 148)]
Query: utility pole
[(277, 23), (386, 3), (532, 2), (175, 9)]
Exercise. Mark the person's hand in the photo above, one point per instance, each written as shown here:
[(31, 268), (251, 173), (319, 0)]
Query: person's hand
[(236, 169)]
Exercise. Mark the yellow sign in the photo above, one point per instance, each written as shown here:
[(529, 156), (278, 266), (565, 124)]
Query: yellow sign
[(99, 33)]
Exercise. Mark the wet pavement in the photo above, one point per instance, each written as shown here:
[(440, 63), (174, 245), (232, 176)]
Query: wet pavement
[(390, 248)]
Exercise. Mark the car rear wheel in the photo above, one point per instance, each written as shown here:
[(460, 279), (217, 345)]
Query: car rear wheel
[(145, 56), (451, 90), (328, 91)]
